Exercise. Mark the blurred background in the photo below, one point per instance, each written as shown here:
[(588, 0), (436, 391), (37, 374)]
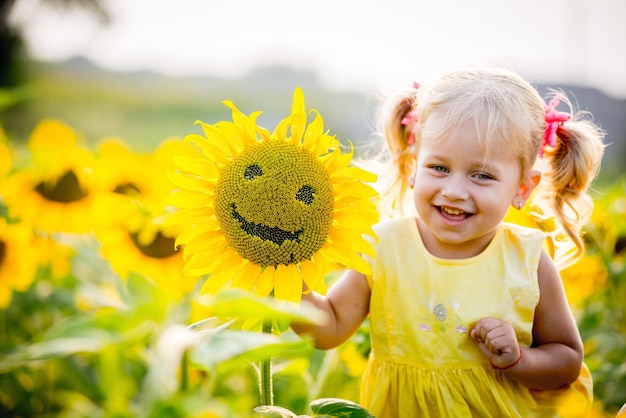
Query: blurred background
[(94, 322), (145, 70)]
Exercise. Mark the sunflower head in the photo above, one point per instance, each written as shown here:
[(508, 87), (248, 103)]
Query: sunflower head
[(274, 202), (53, 191), (265, 212)]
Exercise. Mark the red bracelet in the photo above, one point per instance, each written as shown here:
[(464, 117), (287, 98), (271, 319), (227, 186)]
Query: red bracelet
[(510, 365)]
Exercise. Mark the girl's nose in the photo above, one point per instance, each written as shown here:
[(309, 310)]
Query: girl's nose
[(454, 189)]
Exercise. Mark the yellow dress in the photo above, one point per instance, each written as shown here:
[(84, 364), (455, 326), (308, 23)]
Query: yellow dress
[(423, 362)]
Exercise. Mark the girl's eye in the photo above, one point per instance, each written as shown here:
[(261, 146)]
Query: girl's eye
[(483, 176), (439, 168)]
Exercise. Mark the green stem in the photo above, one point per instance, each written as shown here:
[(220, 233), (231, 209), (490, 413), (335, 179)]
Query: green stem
[(184, 372), (265, 374)]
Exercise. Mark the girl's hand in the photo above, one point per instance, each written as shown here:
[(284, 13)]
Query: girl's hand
[(497, 341)]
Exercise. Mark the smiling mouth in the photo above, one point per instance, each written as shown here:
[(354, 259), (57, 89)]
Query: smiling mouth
[(273, 234), (453, 213)]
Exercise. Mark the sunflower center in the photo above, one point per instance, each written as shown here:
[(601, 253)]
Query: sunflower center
[(66, 190), (274, 203), (160, 247), (127, 189), (3, 251)]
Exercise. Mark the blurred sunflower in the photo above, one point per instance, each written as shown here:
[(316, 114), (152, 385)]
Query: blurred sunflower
[(588, 276), (53, 192), (18, 260), (120, 177), (265, 212), (146, 249), (138, 241)]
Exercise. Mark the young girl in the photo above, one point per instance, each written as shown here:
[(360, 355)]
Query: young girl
[(468, 315)]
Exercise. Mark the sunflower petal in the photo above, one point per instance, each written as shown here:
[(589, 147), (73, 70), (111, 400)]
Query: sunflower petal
[(356, 173), (186, 200), (346, 258), (192, 182), (199, 265), (189, 234), (223, 272), (199, 166), (312, 274), (190, 216), (288, 283), (298, 113), (248, 276), (349, 238), (210, 149), (266, 282)]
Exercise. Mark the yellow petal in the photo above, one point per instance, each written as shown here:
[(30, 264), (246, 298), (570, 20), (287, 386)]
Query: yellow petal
[(356, 173), (223, 272), (345, 258), (209, 148), (354, 189), (298, 112), (266, 282), (199, 265), (314, 135), (186, 200), (247, 125), (312, 274), (248, 276), (189, 234), (349, 238), (192, 182), (230, 136), (288, 283), (199, 166), (189, 216)]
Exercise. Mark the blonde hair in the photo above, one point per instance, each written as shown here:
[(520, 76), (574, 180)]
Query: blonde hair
[(503, 107)]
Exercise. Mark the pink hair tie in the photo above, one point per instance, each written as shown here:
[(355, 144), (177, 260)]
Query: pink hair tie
[(411, 119), (554, 120)]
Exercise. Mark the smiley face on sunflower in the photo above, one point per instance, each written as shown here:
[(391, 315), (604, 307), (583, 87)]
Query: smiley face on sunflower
[(266, 211)]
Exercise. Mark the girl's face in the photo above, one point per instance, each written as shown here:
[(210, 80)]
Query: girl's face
[(461, 195)]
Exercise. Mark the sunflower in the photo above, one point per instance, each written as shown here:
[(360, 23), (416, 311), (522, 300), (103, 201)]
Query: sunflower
[(148, 250), (129, 183), (52, 192), (265, 212), (135, 240), (18, 260)]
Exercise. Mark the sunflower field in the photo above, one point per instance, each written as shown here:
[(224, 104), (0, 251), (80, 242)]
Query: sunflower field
[(100, 317)]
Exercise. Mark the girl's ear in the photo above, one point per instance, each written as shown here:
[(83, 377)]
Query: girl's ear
[(526, 187)]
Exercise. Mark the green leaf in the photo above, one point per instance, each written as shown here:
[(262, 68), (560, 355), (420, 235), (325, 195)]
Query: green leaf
[(274, 412), (245, 305), (45, 350), (335, 407), (226, 346)]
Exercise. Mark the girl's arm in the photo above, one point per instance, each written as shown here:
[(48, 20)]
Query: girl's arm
[(556, 355), (346, 305)]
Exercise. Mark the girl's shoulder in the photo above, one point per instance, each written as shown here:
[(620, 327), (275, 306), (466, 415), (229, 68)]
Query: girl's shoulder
[(523, 232), (392, 225)]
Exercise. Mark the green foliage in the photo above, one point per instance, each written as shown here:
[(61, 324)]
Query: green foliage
[(603, 320), (327, 407)]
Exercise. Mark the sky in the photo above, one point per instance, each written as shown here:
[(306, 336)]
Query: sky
[(351, 44)]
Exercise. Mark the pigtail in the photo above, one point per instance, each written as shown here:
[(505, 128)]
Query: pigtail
[(572, 165), (398, 127)]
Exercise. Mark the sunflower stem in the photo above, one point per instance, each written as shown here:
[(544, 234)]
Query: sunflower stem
[(265, 374), (184, 372)]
